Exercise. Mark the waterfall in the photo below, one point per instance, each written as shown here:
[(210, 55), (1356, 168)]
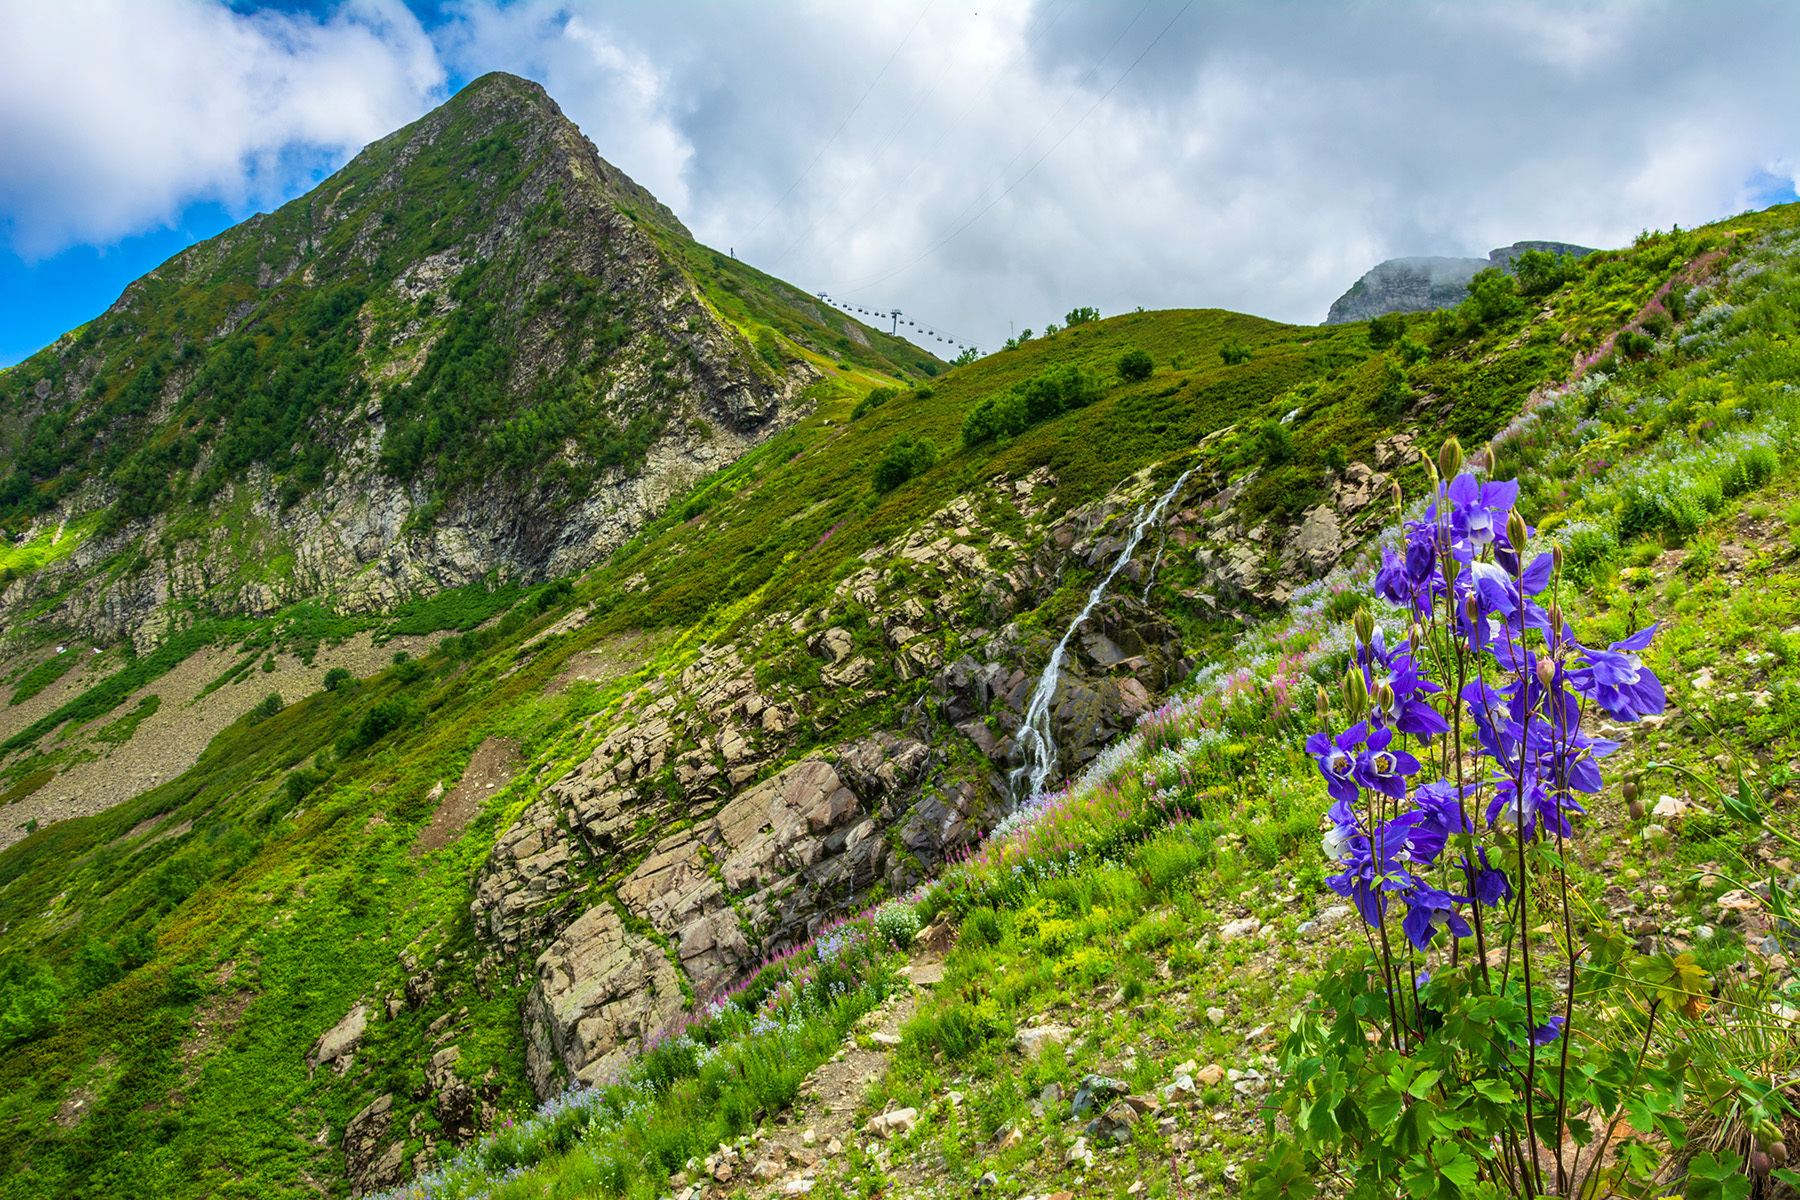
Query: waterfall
[(1036, 741)]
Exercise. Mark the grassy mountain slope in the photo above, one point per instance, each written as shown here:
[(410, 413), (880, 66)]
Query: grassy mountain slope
[(476, 322), (171, 962), (1161, 920)]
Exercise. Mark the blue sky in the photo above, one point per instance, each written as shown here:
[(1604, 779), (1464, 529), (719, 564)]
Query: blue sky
[(983, 167)]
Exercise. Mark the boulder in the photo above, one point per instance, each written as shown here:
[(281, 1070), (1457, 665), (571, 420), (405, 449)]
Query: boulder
[(336, 1047)]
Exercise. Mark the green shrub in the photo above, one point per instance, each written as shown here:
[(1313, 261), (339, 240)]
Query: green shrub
[(1030, 401), (31, 1002), (1234, 353), (956, 1032), (554, 593), (338, 677), (1385, 330), (1136, 365), (874, 400), (980, 928), (1081, 316), (1493, 298), (376, 724), (269, 706), (1586, 548), (1540, 272), (1275, 443), (1750, 470), (905, 457), (301, 784)]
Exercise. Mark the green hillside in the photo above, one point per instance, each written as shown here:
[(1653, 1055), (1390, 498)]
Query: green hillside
[(168, 965)]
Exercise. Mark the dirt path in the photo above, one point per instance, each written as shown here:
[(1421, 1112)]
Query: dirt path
[(491, 768), (787, 1157)]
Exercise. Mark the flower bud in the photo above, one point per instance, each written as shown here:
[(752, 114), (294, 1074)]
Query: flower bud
[(1471, 608), (1760, 1164), (1556, 557), (1487, 461), (1416, 635), (1450, 458), (1556, 620), (1364, 624), (1356, 693), (1630, 790), (1394, 491), (1384, 696), (1324, 706), (1546, 672), (1636, 809), (1516, 532), (1778, 1152)]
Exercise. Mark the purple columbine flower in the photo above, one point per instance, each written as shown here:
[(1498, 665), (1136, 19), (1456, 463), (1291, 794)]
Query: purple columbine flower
[(1336, 761), (1478, 510), (1383, 769), (1548, 1032), (1491, 884), (1428, 911), (1376, 864), (1342, 832), (1617, 680), (1409, 712)]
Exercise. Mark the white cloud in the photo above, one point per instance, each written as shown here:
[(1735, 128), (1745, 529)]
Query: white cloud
[(968, 163), (1258, 157), (113, 117), (622, 100)]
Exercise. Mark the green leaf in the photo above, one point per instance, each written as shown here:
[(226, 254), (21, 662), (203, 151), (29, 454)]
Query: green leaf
[(1714, 1177), (1383, 1107), (1423, 1084), (1778, 900), (1281, 1176), (1497, 1090), (1743, 805)]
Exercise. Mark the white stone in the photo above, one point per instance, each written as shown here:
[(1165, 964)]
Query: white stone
[(1248, 927), (1669, 806)]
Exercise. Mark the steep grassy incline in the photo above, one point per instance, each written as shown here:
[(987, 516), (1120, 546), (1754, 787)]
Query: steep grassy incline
[(170, 964)]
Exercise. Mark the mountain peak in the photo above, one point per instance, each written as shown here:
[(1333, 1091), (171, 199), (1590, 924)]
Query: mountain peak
[(1421, 283)]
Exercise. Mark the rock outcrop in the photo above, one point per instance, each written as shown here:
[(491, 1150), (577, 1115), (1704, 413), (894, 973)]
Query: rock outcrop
[(1423, 284)]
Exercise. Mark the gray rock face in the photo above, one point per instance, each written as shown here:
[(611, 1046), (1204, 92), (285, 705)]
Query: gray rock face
[(1423, 284), (369, 1164), (764, 872)]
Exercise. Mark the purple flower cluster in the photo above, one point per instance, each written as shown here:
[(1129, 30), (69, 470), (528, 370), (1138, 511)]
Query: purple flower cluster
[(1526, 684)]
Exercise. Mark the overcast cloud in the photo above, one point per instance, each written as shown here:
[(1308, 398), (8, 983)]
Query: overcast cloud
[(982, 165)]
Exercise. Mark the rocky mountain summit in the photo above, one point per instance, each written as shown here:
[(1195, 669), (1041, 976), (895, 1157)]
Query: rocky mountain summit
[(1402, 285), (479, 350)]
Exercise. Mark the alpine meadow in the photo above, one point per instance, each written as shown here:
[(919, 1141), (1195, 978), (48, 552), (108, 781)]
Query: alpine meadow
[(504, 700)]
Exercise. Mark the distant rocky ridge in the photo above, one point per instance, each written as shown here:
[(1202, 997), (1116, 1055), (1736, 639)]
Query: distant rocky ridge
[(1423, 284)]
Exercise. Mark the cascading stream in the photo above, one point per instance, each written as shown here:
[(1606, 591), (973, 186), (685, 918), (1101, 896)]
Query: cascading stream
[(1037, 743)]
